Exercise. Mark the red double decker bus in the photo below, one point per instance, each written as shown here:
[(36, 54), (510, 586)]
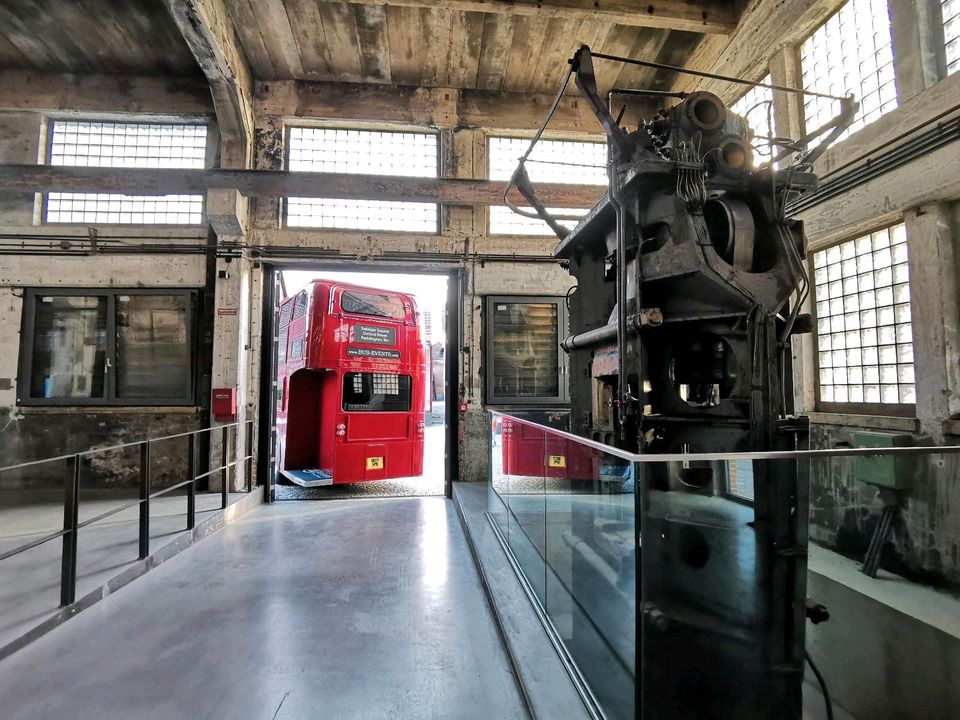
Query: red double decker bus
[(350, 379)]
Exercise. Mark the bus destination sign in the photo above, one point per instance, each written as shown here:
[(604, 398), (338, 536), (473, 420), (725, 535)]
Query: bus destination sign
[(374, 335)]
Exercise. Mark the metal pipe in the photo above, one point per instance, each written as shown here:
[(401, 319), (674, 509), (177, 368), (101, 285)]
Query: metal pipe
[(224, 469), (248, 453), (192, 477), (144, 499), (71, 513), (651, 317)]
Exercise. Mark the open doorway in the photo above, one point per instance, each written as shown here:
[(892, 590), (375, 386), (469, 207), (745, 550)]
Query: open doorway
[(367, 414)]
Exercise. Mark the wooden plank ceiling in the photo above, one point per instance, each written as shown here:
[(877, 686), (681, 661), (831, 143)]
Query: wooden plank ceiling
[(117, 37), (443, 45)]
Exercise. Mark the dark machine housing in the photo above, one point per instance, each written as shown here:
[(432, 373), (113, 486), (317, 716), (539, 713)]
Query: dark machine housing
[(690, 279)]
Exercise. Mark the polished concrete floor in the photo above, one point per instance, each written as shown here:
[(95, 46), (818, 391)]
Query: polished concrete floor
[(30, 581), (352, 609)]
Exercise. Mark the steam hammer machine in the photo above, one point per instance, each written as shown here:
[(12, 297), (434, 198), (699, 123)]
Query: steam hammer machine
[(690, 278)]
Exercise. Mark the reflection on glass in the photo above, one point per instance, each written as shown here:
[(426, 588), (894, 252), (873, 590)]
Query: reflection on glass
[(69, 347), (570, 514), (526, 360), (153, 346)]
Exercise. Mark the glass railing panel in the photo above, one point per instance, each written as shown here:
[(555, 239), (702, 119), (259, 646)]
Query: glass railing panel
[(717, 618), (721, 578), (523, 459), (498, 490), (591, 560)]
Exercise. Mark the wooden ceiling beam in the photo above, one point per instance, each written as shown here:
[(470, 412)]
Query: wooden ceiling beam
[(704, 16), (766, 27), (276, 183), (437, 107), (68, 93), (208, 30)]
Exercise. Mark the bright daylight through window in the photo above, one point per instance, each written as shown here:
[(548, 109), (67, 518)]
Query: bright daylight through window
[(373, 152), (757, 107), (552, 161), (951, 33), (126, 145), (864, 333), (851, 53)]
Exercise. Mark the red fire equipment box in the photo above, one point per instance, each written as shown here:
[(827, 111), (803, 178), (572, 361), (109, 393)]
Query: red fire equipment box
[(225, 404)]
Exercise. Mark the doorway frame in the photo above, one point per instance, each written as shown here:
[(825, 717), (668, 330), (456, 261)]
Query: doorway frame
[(266, 409)]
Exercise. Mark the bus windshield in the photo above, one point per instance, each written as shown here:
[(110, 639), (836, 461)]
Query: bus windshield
[(368, 303)]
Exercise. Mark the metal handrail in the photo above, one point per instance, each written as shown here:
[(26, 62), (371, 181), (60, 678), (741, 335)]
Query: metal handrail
[(71, 499), (749, 455), (135, 443)]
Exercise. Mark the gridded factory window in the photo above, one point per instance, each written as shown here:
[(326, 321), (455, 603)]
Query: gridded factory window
[(951, 33), (376, 392), (366, 152), (864, 334), (126, 145), (552, 161), (757, 107), (851, 53)]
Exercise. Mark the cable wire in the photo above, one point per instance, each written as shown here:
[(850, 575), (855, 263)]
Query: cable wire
[(823, 686)]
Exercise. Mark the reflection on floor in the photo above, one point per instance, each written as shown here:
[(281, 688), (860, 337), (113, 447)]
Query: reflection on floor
[(358, 609), (30, 591), (431, 483)]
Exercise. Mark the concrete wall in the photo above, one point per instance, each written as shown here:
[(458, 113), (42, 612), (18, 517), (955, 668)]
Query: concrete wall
[(487, 264), (923, 194), (31, 433)]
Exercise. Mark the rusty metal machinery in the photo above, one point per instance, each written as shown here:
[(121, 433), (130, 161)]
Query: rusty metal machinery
[(690, 280)]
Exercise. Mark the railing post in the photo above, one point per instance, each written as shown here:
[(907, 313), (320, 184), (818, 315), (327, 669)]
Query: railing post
[(144, 499), (192, 477), (224, 470), (248, 453), (71, 511)]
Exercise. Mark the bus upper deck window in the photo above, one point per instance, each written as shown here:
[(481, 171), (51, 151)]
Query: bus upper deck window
[(367, 303), (376, 392)]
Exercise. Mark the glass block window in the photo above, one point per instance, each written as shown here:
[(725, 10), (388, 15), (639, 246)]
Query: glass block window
[(126, 145), (757, 107), (851, 53), (951, 33), (364, 152), (864, 334), (552, 161)]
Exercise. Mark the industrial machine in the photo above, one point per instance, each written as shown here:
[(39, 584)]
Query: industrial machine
[(690, 281), (351, 379)]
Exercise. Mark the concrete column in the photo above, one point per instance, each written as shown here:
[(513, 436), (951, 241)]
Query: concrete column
[(22, 142), (935, 311), (788, 121), (268, 155), (231, 345), (918, 59), (787, 107), (458, 161)]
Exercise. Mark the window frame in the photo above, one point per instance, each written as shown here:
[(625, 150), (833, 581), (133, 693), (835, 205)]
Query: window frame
[(110, 399), (904, 410), (208, 159), (359, 127), (563, 364), (489, 136)]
